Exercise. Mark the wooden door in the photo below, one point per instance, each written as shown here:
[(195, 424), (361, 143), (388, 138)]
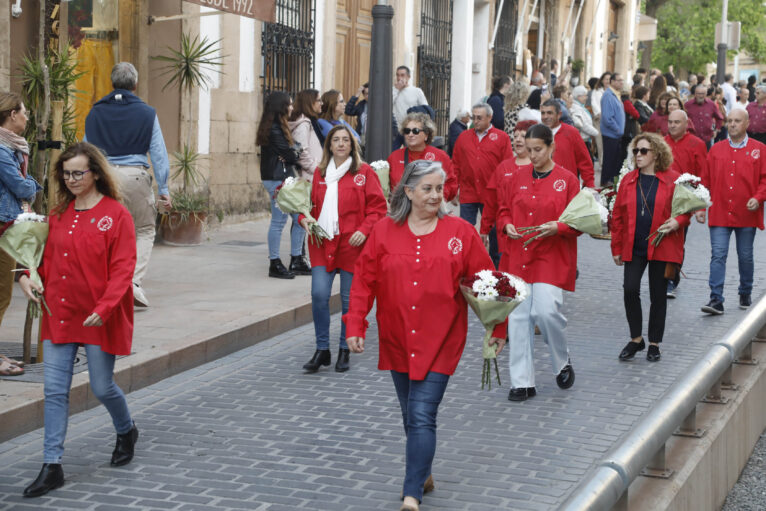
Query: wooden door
[(353, 37)]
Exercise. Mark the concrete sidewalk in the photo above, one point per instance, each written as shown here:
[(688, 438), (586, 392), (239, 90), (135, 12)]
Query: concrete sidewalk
[(206, 302)]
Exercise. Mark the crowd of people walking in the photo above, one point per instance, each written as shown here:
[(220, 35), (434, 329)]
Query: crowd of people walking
[(513, 160)]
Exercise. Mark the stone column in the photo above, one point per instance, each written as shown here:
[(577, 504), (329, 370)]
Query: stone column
[(381, 77), (5, 44)]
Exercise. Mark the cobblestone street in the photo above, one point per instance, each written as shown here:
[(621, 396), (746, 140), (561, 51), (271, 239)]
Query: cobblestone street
[(250, 431)]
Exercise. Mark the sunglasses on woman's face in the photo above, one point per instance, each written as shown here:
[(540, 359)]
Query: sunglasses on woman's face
[(414, 131), (642, 150)]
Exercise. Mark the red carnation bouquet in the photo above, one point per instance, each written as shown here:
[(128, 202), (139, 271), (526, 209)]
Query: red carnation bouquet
[(492, 295)]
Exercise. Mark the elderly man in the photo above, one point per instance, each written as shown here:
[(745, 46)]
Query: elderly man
[(477, 154), (736, 178), (571, 152), (757, 112), (729, 92), (456, 127), (537, 84), (704, 114), (612, 129), (689, 156), (581, 117), (405, 95), (126, 129)]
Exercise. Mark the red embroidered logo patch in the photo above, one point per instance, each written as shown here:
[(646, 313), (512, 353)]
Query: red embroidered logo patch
[(756, 154), (429, 156), (560, 185), (493, 136), (105, 223), (359, 179)]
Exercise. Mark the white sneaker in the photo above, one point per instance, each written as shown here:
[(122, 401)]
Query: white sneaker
[(139, 298)]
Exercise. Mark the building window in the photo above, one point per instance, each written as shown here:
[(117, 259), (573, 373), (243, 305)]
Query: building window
[(287, 48), (504, 57), (434, 58)]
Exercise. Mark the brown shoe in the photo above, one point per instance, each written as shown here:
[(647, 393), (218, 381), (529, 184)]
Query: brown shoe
[(429, 486)]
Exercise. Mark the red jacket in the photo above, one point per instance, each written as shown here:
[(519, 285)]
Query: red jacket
[(396, 166), (689, 154), (360, 204), (705, 117), (630, 109), (474, 161), (525, 201), (489, 215), (422, 315), (88, 267), (734, 176), (671, 248), (572, 154)]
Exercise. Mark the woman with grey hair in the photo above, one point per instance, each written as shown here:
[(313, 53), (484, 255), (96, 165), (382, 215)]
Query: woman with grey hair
[(418, 131), (515, 101), (412, 265)]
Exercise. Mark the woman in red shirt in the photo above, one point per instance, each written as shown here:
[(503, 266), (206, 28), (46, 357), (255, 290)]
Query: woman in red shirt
[(658, 122), (643, 205), (347, 201), (87, 274), (412, 265), (537, 195), (418, 130), (503, 172)]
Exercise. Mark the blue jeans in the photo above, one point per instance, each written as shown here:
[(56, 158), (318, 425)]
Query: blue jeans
[(278, 221), (321, 287), (420, 402), (58, 364), (468, 212), (719, 244)]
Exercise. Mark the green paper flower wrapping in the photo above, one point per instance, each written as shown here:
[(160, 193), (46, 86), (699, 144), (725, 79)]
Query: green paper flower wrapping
[(25, 241)]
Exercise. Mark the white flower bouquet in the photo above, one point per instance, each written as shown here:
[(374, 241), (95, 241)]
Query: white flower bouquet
[(584, 213), (294, 196), (689, 195), (383, 171)]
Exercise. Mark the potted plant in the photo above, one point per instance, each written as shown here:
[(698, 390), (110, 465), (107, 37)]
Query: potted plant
[(188, 68), (577, 66)]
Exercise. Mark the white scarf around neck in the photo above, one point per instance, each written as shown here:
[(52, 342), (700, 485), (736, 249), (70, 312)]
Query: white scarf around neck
[(328, 217)]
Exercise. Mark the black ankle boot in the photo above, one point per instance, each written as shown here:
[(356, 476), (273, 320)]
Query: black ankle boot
[(50, 477), (341, 365), (278, 270), (124, 448), (298, 266), (320, 358)]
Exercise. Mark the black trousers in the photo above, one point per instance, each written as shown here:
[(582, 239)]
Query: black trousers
[(658, 287), (610, 160)]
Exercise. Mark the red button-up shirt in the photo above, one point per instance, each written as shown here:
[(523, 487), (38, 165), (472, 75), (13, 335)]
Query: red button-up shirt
[(525, 201), (705, 117), (430, 153), (572, 154), (88, 267), (734, 176), (360, 204), (422, 315), (671, 248), (689, 154), (474, 161), (489, 214), (757, 118)]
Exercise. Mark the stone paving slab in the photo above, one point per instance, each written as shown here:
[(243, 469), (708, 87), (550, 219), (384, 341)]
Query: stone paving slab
[(250, 431)]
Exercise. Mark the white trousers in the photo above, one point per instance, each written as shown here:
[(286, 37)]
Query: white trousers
[(541, 308), (137, 193)]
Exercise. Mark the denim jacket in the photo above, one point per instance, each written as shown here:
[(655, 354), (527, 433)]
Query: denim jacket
[(13, 187)]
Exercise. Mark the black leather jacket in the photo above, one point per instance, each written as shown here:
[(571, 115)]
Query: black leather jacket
[(272, 168)]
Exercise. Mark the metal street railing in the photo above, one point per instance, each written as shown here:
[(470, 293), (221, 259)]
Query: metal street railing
[(643, 449)]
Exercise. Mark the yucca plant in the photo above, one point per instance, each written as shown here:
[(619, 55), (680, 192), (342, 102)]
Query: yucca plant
[(186, 69)]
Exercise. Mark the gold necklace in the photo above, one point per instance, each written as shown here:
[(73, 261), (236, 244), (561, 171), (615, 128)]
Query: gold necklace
[(643, 197)]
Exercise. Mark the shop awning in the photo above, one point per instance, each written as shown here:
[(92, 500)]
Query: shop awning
[(264, 10)]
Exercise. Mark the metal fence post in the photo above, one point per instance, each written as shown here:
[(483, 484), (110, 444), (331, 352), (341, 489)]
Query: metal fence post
[(714, 394), (746, 356), (761, 335), (689, 427), (657, 467), (622, 504), (727, 382)]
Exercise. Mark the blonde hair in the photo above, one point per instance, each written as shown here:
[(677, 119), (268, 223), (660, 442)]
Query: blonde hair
[(517, 95), (663, 155)]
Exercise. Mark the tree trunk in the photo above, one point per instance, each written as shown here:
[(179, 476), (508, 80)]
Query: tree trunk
[(652, 6)]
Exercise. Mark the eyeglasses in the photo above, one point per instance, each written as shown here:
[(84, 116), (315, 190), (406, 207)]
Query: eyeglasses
[(642, 150), (414, 131), (75, 174)]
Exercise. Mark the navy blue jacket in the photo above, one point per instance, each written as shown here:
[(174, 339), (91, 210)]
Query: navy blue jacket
[(455, 129), (496, 101), (120, 124)]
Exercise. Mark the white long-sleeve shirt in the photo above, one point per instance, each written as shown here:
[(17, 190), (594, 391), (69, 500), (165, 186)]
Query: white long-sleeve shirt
[(405, 99)]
